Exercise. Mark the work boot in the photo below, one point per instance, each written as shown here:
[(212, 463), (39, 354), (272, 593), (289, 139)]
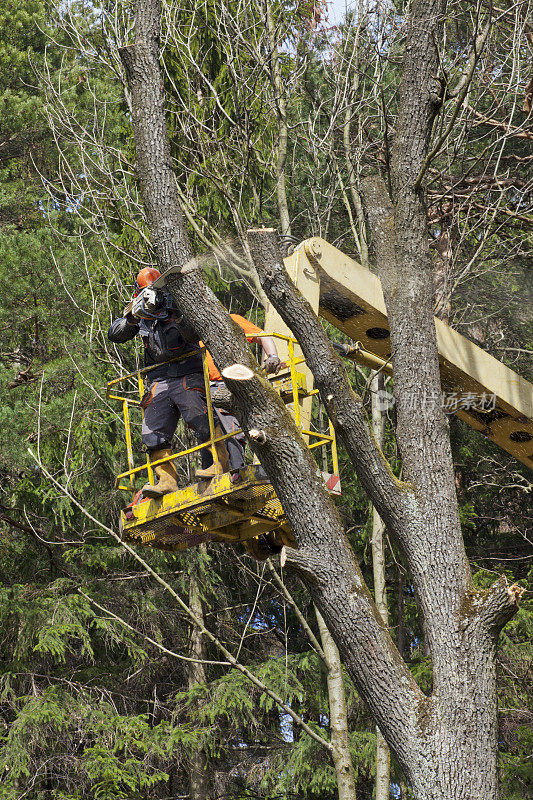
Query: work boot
[(223, 459), (165, 472)]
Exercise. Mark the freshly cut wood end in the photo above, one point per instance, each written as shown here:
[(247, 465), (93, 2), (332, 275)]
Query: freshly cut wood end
[(237, 372), (515, 592), (257, 435)]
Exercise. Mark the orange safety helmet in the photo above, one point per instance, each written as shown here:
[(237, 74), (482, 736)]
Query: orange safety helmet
[(145, 278)]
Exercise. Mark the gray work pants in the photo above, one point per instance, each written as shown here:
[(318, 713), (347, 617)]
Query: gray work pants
[(166, 401), (229, 424)]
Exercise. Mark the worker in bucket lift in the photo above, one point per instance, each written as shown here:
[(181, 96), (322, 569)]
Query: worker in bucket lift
[(271, 364), (174, 389)]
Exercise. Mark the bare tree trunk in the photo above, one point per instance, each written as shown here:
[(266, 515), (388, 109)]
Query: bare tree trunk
[(401, 612), (283, 131), (338, 717), (199, 784), (443, 274), (361, 240), (380, 589)]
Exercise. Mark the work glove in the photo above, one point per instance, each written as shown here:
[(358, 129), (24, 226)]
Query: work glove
[(130, 319), (272, 365)]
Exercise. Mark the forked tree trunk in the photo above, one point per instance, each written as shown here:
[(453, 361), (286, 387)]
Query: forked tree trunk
[(459, 760), (446, 744)]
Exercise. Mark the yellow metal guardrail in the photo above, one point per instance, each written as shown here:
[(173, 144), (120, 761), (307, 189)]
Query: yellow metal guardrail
[(291, 385)]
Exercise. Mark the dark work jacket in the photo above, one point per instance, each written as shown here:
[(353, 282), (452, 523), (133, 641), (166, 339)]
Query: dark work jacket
[(163, 340)]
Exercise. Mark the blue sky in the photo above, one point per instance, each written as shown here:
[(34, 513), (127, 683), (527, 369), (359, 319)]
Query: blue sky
[(337, 9)]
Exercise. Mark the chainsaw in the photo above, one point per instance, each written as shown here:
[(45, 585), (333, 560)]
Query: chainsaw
[(150, 303)]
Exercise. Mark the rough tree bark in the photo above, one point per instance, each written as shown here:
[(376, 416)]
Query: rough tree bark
[(446, 743)]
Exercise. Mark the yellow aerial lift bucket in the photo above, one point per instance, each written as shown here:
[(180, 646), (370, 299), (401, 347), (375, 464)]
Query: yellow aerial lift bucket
[(231, 507)]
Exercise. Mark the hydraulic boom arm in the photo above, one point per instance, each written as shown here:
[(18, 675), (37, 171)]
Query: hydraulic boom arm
[(481, 390)]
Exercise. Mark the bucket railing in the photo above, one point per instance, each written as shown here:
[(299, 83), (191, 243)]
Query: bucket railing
[(289, 382)]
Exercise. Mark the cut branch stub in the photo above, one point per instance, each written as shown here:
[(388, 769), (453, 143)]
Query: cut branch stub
[(499, 605), (222, 398), (237, 372), (257, 435)]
